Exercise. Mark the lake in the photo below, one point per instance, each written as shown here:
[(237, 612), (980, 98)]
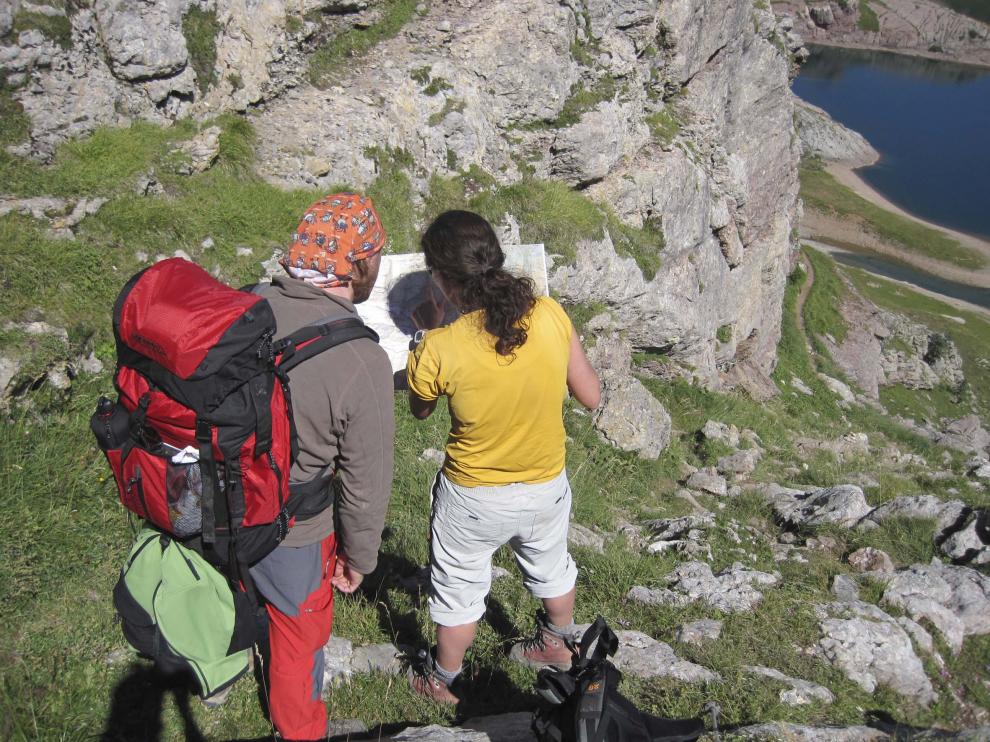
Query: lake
[(929, 120)]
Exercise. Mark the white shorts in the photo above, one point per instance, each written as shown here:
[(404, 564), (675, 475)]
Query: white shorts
[(470, 523)]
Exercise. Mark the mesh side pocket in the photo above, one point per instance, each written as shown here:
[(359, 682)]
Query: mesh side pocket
[(184, 487)]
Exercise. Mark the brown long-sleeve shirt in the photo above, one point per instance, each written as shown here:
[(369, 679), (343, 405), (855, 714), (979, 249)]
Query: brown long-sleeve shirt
[(342, 402)]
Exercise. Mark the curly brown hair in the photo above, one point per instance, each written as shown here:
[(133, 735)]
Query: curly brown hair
[(462, 247)]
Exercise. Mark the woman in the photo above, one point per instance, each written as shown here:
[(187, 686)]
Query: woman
[(505, 365)]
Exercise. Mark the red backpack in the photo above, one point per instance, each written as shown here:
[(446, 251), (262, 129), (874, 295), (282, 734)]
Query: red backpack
[(201, 439)]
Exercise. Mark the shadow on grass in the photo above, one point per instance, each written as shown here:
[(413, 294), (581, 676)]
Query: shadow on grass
[(138, 700)]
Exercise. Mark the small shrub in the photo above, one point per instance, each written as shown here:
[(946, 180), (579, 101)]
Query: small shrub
[(58, 28), (356, 42), (724, 333), (200, 28), (868, 20), (664, 126), (449, 106)]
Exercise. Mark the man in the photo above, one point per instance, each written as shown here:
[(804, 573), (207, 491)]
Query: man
[(342, 407)]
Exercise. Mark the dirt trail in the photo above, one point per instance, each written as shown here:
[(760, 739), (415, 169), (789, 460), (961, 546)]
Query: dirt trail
[(802, 296)]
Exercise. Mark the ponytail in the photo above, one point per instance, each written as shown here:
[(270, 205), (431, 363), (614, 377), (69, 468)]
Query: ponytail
[(463, 248)]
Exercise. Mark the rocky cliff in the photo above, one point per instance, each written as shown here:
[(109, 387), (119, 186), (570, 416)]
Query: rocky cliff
[(675, 115), (920, 27)]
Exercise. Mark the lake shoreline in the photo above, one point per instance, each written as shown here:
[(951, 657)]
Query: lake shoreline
[(904, 52)]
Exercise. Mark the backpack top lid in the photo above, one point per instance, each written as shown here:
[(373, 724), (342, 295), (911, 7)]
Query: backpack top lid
[(177, 315)]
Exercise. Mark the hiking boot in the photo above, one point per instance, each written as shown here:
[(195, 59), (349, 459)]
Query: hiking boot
[(545, 649), (426, 683)]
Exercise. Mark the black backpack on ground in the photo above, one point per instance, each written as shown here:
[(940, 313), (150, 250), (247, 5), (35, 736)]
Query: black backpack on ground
[(583, 704)]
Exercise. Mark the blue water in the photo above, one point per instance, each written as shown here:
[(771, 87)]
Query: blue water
[(929, 120)]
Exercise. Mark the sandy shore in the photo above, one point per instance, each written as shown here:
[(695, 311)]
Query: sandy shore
[(949, 300), (830, 228), (904, 51)]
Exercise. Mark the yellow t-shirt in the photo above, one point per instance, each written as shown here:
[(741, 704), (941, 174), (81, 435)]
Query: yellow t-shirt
[(506, 412)]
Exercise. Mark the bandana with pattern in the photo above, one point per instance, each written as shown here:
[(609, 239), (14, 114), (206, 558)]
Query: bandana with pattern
[(336, 231)]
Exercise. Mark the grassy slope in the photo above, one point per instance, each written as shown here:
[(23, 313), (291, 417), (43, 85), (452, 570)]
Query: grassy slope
[(63, 536), (822, 192)]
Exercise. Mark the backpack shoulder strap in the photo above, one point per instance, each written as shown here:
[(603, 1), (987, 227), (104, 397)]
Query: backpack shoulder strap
[(313, 339), (597, 643)]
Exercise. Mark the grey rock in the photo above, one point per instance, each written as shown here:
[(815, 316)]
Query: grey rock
[(7, 11), (437, 733), (202, 151), (843, 505), (699, 632), (821, 136), (143, 40), (780, 731), (732, 590), (668, 529), (869, 559), (337, 655), (632, 419), (980, 470), (718, 431), (345, 727), (966, 434), (845, 588), (432, 455), (741, 462), (208, 243), (644, 657), (800, 693), (9, 368), (873, 651), (382, 658), (821, 14), (585, 152), (38, 328), (89, 364), (578, 535), (119, 655), (827, 544), (955, 600), (801, 387), (244, 252), (657, 596), (708, 480), (926, 507), (964, 542), (838, 388)]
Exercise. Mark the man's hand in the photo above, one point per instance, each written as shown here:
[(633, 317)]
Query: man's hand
[(345, 578)]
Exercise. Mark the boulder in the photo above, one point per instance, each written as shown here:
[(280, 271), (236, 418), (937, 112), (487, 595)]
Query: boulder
[(717, 431), (966, 434), (337, 655), (956, 600), (644, 657), (708, 480), (871, 649), (800, 692), (382, 658), (143, 40), (967, 541), (578, 535), (585, 152), (843, 505), (822, 136), (741, 462), (869, 559), (632, 419), (202, 151), (730, 591), (699, 632)]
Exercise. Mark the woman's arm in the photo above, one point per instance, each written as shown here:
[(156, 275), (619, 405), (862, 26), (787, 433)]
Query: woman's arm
[(582, 379), (419, 407)]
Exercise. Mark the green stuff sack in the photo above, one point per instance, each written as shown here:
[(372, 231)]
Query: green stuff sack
[(181, 612)]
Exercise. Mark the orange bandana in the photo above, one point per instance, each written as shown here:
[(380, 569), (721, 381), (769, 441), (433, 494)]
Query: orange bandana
[(336, 231)]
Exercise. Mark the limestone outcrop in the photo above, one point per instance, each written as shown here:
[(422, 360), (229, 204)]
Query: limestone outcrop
[(675, 115)]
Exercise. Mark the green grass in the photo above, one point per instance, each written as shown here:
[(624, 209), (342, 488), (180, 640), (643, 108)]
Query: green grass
[(971, 338), (664, 126), (57, 28), (824, 193), (582, 99), (200, 27), (868, 20), (548, 212), (335, 54), (63, 535)]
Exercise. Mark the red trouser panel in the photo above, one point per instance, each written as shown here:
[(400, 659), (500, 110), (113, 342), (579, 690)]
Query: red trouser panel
[(295, 701)]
